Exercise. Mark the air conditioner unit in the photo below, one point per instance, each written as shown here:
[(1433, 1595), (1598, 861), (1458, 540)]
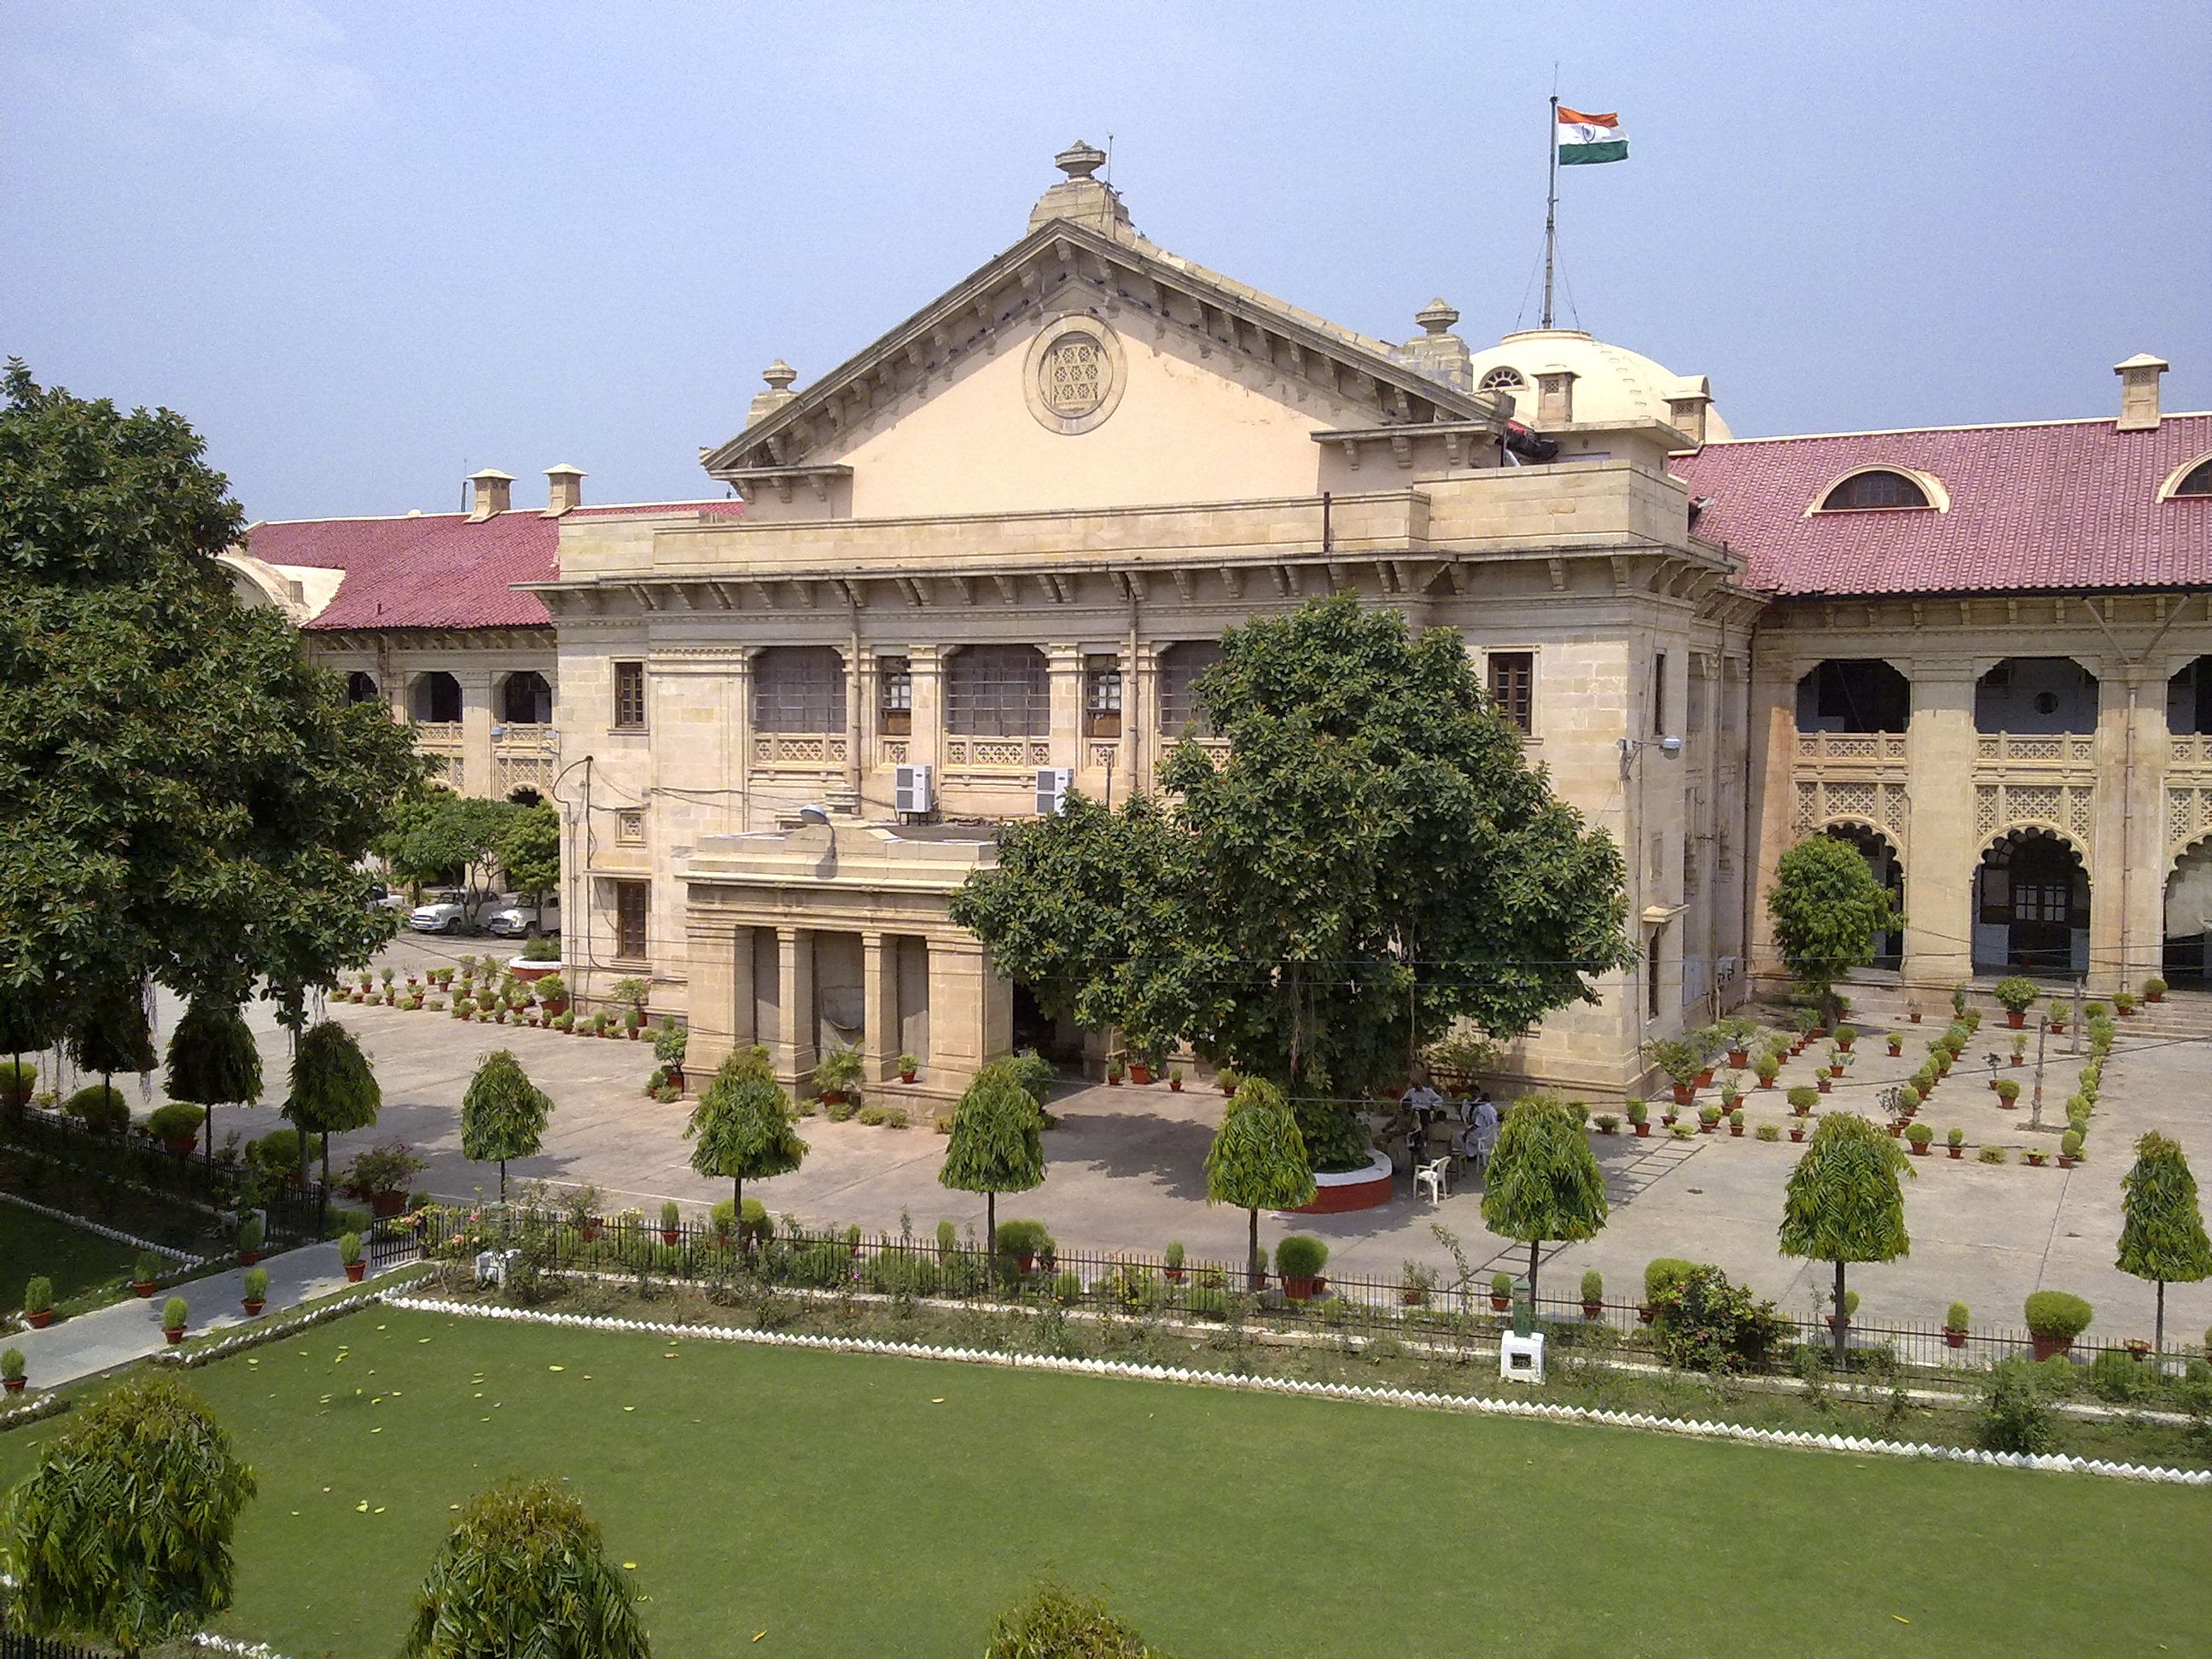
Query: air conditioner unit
[(917, 789), (1052, 783)]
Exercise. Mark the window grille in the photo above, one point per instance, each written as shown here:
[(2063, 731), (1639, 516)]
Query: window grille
[(894, 696), (997, 691), (1180, 665), (1101, 697), (630, 695), (799, 688), (1873, 489)]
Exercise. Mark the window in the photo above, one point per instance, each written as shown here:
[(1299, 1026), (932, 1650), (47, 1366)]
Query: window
[(799, 688), (1181, 667), (437, 700), (894, 696), (629, 919), (2197, 481), (1101, 697), (1513, 685), (997, 691), (629, 828), (360, 688), (1503, 379), (526, 700), (630, 695), (1659, 694), (1869, 491), (1651, 973)]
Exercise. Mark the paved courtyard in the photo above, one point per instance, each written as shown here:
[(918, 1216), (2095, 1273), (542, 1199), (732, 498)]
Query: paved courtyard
[(1125, 1170)]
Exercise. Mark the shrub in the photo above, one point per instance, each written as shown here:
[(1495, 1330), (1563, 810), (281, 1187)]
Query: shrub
[(901, 1273), (871, 1116), (2057, 1315), (178, 1120), (1593, 1285), (251, 1234), (2013, 1418), (2069, 1144), (2124, 1002), (1802, 1097), (1992, 1155), (1662, 1274), (948, 1240), (1173, 1256), (838, 1110), (146, 1269), (276, 1154), (2016, 994), (1954, 1136), (1301, 1255), (350, 1248), (1709, 1115), (2008, 1090), (1637, 1110), (1705, 1323), (1767, 1067), (2153, 986), (1053, 1623), (37, 1294), (823, 1266), (256, 1285), (2118, 1376), (1501, 1284), (174, 1314), (1767, 1132), (100, 1106), (1920, 1134), (1067, 1289), (1606, 1123), (1209, 1301), (1955, 1320), (2094, 1011), (19, 1080), (11, 1365), (1735, 1118), (1908, 1098), (1021, 1237)]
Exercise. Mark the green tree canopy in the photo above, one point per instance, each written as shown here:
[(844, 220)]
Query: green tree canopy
[(742, 1125), (528, 847), (1375, 854), (108, 1031), (2162, 1227), (524, 1572), (213, 1059), (1828, 911), (333, 1090), (503, 1114), (192, 796), (438, 835), (1258, 1161), (1543, 1181), (1844, 1202), (997, 1144), (123, 1532)]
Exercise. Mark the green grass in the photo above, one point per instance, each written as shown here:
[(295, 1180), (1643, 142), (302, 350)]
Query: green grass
[(76, 1260), (847, 1505)]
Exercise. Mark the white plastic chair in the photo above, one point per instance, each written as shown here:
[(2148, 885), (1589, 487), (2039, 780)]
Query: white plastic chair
[(1435, 1177)]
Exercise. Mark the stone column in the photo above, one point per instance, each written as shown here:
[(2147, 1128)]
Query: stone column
[(797, 1027), (1141, 715), (1942, 859), (859, 681), (925, 663), (721, 993), (1770, 735), (878, 1006), (2127, 891), (971, 1012), (475, 768), (740, 716), (1064, 670)]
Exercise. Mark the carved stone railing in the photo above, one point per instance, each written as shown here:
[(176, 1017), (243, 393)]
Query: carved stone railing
[(1824, 749), (2190, 751), (2076, 750), (437, 737), (1001, 755), (524, 756), (799, 752)]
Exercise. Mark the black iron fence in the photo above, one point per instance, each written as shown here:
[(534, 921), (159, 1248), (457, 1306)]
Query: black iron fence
[(295, 1213), (1043, 1273), (15, 1646)]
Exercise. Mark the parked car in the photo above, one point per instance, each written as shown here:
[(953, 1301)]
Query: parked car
[(518, 918), (440, 913), (381, 898)]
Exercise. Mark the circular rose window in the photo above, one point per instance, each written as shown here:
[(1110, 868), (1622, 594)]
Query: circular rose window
[(1075, 374)]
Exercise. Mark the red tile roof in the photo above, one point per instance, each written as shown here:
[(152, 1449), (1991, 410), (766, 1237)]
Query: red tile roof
[(2056, 506), (439, 569)]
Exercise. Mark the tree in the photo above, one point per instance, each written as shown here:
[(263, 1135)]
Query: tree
[(333, 1090), (214, 1060), (997, 1144), (742, 1125), (1828, 912), (123, 1532), (438, 835), (1543, 1181), (523, 1572), (529, 850), (1377, 863), (503, 1114), (27, 1025), (108, 1032), (2161, 1229), (1844, 1203), (200, 794), (1258, 1162)]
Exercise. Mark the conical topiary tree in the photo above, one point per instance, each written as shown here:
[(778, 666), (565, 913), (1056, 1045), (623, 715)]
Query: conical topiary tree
[(523, 1572), (502, 1115), (997, 1144), (1258, 1162), (28, 1023), (333, 1090), (214, 1060), (123, 1532), (1543, 1181), (2162, 1229), (742, 1125), (1844, 1203), (110, 1035)]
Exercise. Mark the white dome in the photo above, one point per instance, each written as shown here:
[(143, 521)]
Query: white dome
[(1611, 383)]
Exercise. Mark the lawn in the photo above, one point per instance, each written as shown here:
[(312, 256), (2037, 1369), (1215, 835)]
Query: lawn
[(847, 1505), (75, 1260)]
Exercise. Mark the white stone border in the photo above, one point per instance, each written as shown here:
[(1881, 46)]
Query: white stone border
[(75, 1220), (2052, 1461), (49, 1404), (275, 1330)]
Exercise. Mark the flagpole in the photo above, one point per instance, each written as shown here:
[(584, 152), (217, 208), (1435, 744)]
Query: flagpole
[(1551, 203)]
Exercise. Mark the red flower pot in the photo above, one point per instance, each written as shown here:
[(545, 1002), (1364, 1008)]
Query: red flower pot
[(1645, 1313), (2065, 1162), (1025, 1258), (591, 1232), (44, 1316), (1174, 1276), (1299, 1288), (2019, 1060), (2050, 1347), (1896, 1129), (1845, 1043), (1669, 1119), (1174, 1085), (2154, 996), (253, 1306), (1914, 1016), (1797, 1132), (1227, 1090), (1140, 1073), (143, 1286), (1501, 1304), (1593, 1309), (1917, 1149), (1953, 1339), (2016, 1018), (1736, 1129), (180, 1145), (15, 1384), (2058, 1025), (1895, 1050), (906, 1076), (354, 1270), (1739, 1057), (247, 1258), (1113, 1079), (1767, 1083), (1642, 1131), (2035, 1160), (1835, 1070), (1821, 1084), (1685, 1093), (1705, 1129), (1956, 1152), (175, 1336), (1705, 1077), (385, 1205)]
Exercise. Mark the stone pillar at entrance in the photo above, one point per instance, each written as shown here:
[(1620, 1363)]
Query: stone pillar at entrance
[(971, 1012), (476, 777), (1943, 865), (925, 666), (2127, 890), (792, 1044), (879, 1004), (1064, 668)]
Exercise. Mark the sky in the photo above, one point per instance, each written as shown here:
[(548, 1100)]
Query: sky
[(369, 249)]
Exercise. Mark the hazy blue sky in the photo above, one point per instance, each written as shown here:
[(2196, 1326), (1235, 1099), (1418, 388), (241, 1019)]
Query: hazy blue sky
[(367, 248)]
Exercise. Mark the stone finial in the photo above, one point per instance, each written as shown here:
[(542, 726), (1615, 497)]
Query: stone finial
[(1438, 316), (779, 375), (1080, 160), (2139, 411)]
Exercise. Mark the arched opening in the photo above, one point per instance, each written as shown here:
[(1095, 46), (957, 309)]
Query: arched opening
[(1874, 490), (997, 691), (1181, 664), (436, 699), (525, 699), (2032, 906), (525, 796), (1888, 869), (2036, 696), (1854, 694), (360, 688), (799, 688), (2189, 919), (2189, 700)]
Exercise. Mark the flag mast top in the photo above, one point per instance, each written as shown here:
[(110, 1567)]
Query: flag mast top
[(1551, 203)]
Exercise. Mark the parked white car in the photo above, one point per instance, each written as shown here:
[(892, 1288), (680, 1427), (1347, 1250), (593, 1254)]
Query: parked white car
[(442, 912), (517, 917)]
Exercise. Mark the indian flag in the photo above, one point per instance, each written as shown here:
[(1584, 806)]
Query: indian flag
[(1588, 138)]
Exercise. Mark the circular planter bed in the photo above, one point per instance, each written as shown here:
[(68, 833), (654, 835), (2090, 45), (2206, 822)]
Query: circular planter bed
[(1337, 1192), (523, 968)]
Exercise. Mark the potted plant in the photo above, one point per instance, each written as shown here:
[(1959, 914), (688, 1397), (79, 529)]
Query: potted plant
[(1141, 1066), (907, 1065), (173, 1316), (1839, 1058), (146, 1274), (1639, 1117), (2154, 989), (1918, 1136), (1172, 1258), (1955, 1326), (11, 1370), (1767, 1132), (633, 992), (2069, 1149), (1501, 1292), (1955, 1139), (669, 1042), (2034, 1156), (2016, 995), (1114, 1073), (672, 1221), (250, 1236), (350, 1257), (1850, 1307), (1708, 1116), (1679, 1059), (1822, 1082), (1175, 1079), (1736, 1123), (177, 1126), (1845, 1035), (1025, 1241), (2125, 1002), (1908, 1100), (2020, 1050), (1896, 1042), (1766, 1068), (1298, 1261), (2055, 1318), (1912, 1013), (2008, 1090), (257, 1292), (382, 1174), (2055, 1013), (38, 1302), (837, 1074), (1415, 1282), (1227, 1080), (1593, 1294), (1797, 1131), (1607, 1124)]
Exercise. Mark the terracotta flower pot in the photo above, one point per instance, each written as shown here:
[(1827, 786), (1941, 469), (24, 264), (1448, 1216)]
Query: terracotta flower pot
[(1736, 1129), (1845, 1043), (2154, 996), (1501, 1304), (384, 1205), (1956, 1152), (1821, 1084), (1767, 1083), (2058, 1025), (1413, 1298), (1593, 1309), (15, 1384), (180, 1145), (1685, 1093), (354, 1270), (1174, 1085), (2019, 1060), (1953, 1339), (1026, 1259), (1797, 1132), (1113, 1079), (2016, 1019), (175, 1336), (1914, 1016), (906, 1076), (145, 1287), (1895, 1050), (1140, 1073), (247, 1258), (1642, 1131), (1897, 1130), (1917, 1149), (44, 1316), (1299, 1287), (1739, 1057), (1705, 1129), (1645, 1313), (2065, 1161), (1705, 1077), (2050, 1347), (1835, 1070), (1669, 1119), (1174, 1275), (2035, 1160), (591, 1232), (253, 1305)]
